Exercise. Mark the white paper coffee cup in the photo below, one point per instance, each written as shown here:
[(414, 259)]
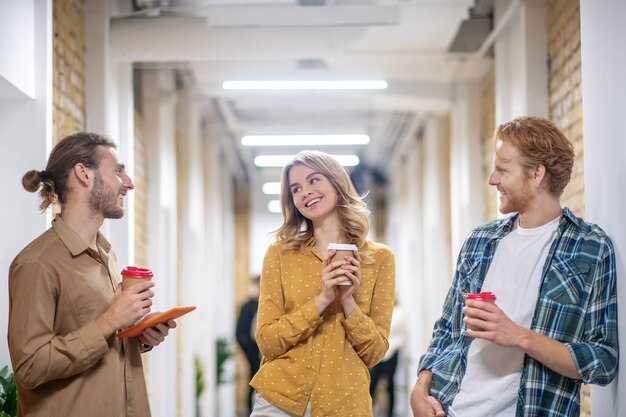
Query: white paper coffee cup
[(342, 250)]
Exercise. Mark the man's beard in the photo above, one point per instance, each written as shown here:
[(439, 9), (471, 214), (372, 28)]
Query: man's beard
[(104, 201), (518, 201)]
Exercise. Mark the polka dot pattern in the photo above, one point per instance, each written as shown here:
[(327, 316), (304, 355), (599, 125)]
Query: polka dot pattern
[(322, 359)]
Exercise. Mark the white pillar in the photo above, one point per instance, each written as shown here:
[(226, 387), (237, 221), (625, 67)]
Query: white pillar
[(26, 126), (405, 231), (466, 178), (604, 92), (219, 255), (97, 61), (197, 329), (436, 230), (160, 113), (520, 60), (110, 110), (120, 120)]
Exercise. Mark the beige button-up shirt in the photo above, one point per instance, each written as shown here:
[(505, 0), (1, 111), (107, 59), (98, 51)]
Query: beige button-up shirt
[(63, 365), (322, 359)]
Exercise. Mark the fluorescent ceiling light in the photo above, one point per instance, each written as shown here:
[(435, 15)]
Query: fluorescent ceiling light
[(274, 206), (271, 188), (287, 140), (306, 85), (281, 160)]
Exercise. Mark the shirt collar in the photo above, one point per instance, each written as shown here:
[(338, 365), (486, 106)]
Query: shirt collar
[(507, 224), (74, 243), (311, 249), (568, 216)]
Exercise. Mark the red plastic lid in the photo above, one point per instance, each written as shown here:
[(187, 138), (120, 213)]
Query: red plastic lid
[(480, 296), (136, 272)]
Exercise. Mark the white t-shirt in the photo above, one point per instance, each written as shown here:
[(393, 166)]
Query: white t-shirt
[(492, 377)]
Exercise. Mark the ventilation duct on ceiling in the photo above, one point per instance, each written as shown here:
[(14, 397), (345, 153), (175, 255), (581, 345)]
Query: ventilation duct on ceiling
[(312, 64), (473, 31)]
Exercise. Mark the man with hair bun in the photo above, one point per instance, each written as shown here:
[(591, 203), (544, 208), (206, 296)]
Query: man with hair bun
[(65, 298), (554, 322)]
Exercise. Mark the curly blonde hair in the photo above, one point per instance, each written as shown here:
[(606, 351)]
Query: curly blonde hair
[(296, 231), (540, 142)]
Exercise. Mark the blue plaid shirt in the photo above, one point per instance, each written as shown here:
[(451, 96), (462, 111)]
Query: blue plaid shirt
[(577, 305)]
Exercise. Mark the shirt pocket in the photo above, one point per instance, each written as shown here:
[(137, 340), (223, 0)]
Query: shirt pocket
[(561, 308), (88, 307), (468, 272), (567, 282)]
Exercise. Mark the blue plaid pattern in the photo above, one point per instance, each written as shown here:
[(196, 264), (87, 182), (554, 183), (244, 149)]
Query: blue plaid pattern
[(577, 305)]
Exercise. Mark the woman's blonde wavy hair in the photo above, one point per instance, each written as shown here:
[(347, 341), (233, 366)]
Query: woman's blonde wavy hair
[(296, 231)]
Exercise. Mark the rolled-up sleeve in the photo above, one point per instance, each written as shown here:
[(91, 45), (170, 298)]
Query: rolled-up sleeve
[(596, 358)]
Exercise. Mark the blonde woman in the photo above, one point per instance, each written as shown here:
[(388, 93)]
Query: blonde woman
[(318, 339)]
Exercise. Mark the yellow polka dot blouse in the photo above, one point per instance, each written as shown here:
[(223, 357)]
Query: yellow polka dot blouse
[(322, 359)]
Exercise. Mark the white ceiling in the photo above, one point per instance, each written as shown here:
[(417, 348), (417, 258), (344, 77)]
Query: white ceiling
[(404, 42)]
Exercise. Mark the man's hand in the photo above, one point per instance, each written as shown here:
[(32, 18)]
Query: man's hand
[(153, 336), (495, 326), (127, 307), (492, 324), (422, 403)]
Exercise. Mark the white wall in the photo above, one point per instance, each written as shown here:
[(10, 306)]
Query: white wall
[(436, 224), (159, 117), (26, 127), (17, 66), (466, 177), (404, 236), (262, 224), (604, 93)]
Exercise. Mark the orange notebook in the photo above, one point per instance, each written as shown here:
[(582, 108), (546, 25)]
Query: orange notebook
[(172, 313)]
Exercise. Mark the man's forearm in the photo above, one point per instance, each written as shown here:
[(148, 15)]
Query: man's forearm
[(424, 380), (550, 353)]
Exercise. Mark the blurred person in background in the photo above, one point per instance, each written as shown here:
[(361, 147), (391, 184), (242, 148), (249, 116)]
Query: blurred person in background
[(386, 368), (244, 332)]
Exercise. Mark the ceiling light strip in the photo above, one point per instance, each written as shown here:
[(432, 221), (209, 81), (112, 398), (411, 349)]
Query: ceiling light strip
[(306, 85), (271, 188), (298, 140)]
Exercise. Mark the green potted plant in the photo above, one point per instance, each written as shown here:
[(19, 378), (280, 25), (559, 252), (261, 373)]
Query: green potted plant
[(199, 373), (8, 394), (223, 351)]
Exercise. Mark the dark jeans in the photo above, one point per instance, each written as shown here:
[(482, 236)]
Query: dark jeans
[(385, 369), (253, 363)]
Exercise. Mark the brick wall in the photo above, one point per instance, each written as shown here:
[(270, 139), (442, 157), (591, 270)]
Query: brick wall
[(68, 64), (487, 127), (564, 87)]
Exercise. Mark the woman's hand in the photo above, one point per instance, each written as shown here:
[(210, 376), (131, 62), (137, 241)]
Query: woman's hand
[(351, 269), (332, 273)]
